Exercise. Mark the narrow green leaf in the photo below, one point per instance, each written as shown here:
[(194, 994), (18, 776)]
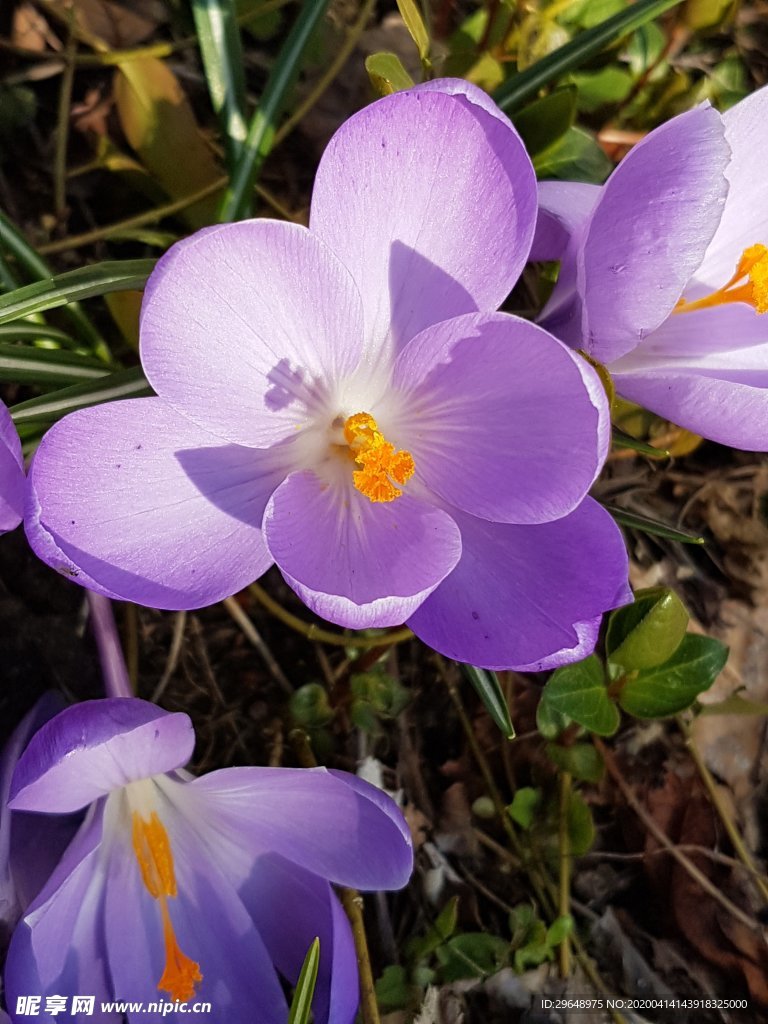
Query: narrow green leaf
[(417, 30), (26, 365), (622, 440), (647, 525), (579, 691), (83, 283), (387, 73), (236, 203), (647, 632), (34, 332), (525, 85), (220, 48), (545, 120), (301, 1005), (675, 685), (123, 384), (489, 690)]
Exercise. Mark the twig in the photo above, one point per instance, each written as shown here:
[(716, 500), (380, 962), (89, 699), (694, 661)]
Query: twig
[(62, 124), (179, 622), (564, 877), (255, 638), (132, 642), (352, 902)]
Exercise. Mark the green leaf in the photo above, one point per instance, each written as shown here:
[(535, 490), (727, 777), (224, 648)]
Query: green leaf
[(580, 759), (581, 826), (579, 691), (648, 632), (219, 38), (421, 946), (417, 30), (301, 1005), (83, 283), (525, 803), (393, 991), (472, 955), (310, 708), (43, 366), (525, 85), (652, 526), (49, 408), (488, 687), (387, 73), (560, 929), (672, 687), (608, 86), (575, 156), (549, 721), (35, 332), (236, 203), (622, 440), (545, 120)]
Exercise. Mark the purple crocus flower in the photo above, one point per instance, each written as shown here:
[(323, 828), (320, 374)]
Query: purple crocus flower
[(345, 402), (11, 473), (181, 888), (664, 273)]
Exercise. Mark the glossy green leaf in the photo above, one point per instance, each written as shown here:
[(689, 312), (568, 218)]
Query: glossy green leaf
[(487, 685), (622, 440), (124, 384), (545, 120), (549, 721), (647, 632), (606, 87), (525, 803), (579, 691), (43, 366), (236, 203), (524, 86), (652, 526), (417, 30), (580, 759), (387, 73), (675, 685), (83, 283), (575, 156), (581, 826), (301, 1005), (219, 38)]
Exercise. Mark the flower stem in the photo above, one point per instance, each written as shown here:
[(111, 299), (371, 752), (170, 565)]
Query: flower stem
[(352, 902), (116, 681)]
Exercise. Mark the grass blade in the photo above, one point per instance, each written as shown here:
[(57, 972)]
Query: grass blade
[(622, 440), (525, 85), (124, 384), (489, 690), (301, 1006), (32, 332), (83, 283), (219, 37), (261, 132), (647, 525), (25, 365)]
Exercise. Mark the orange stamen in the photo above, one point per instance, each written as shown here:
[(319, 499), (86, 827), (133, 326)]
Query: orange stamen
[(155, 858), (753, 266), (381, 467)]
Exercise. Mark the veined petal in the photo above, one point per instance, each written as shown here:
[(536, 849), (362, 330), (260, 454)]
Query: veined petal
[(133, 500), (292, 907), (745, 217), (521, 594), (11, 473), (96, 746), (503, 420), (649, 231), (301, 814), (354, 562), (247, 327), (430, 202)]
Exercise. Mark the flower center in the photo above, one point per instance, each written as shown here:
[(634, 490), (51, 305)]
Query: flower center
[(749, 284), (153, 852), (382, 468)]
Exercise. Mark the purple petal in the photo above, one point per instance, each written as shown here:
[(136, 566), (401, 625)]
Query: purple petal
[(564, 211), (134, 501), (745, 217), (521, 594), (354, 562), (11, 473), (650, 229), (301, 815), (504, 421), (94, 747), (587, 634), (211, 925), (430, 202), (246, 327), (291, 908)]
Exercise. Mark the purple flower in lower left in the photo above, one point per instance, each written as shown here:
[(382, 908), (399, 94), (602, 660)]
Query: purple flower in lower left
[(182, 888), (11, 473)]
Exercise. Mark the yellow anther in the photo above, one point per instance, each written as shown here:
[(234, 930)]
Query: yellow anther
[(382, 468), (155, 858), (753, 266)]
